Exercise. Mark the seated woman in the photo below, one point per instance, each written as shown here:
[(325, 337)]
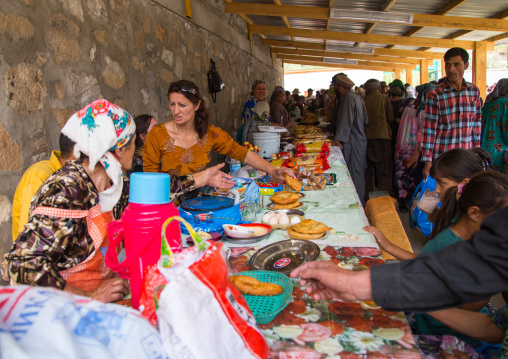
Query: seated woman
[(256, 112), (183, 146), (144, 123), (484, 194), (60, 245)]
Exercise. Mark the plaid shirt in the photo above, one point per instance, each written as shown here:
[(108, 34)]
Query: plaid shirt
[(452, 119)]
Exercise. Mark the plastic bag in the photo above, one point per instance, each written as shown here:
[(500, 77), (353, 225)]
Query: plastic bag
[(212, 221), (38, 322), (152, 279), (201, 314), (417, 218)]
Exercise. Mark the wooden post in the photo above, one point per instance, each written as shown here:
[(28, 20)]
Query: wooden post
[(409, 76), (188, 9), (443, 69), (398, 73), (251, 46), (480, 67), (424, 71)]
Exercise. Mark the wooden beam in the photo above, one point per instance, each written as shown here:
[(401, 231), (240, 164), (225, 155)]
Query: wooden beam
[(284, 18), (360, 63), (409, 77), (371, 26), (480, 67), (188, 9), (346, 55), (398, 73), (377, 51), (424, 72), (347, 36), (248, 21), (337, 66), (452, 5), (419, 20)]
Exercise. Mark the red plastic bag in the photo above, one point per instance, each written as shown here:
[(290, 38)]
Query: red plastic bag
[(152, 279)]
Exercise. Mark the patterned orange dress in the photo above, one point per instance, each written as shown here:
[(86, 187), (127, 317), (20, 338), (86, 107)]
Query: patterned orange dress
[(160, 154)]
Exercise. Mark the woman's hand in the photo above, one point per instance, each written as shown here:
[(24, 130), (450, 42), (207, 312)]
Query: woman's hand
[(278, 173), (111, 290), (214, 177)]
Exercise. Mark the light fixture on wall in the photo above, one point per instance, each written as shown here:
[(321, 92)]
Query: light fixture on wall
[(350, 49), (371, 16), (334, 60)]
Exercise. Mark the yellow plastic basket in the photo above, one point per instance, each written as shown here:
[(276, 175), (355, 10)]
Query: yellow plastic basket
[(265, 308)]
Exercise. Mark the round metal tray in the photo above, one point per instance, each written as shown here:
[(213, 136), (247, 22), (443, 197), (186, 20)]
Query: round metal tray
[(284, 256)]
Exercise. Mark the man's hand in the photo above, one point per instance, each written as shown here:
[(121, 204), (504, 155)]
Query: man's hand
[(426, 169), (337, 143), (325, 280), (111, 290)]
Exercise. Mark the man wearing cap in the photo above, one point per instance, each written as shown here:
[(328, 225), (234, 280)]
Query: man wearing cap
[(379, 138), (296, 91), (310, 97), (351, 117)]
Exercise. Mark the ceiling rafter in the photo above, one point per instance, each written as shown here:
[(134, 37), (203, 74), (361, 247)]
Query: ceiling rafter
[(337, 66), (377, 51), (372, 25), (346, 36), (452, 5), (360, 62), (323, 13), (284, 18), (344, 55), (245, 18)]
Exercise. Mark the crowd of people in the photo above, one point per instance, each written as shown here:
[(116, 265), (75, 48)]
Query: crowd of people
[(392, 137)]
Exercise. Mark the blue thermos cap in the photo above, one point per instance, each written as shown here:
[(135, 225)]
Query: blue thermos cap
[(149, 188)]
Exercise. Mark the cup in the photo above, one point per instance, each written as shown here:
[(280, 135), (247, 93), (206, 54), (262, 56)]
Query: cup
[(429, 201)]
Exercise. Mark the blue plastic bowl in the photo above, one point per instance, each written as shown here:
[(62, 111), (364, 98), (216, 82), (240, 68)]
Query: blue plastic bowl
[(149, 188)]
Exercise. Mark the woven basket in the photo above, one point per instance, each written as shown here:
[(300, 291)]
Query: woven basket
[(265, 308)]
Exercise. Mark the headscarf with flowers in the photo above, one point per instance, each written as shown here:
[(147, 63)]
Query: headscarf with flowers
[(97, 129)]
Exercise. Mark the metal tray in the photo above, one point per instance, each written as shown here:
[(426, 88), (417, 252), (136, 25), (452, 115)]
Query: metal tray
[(243, 240), (295, 212), (284, 256)]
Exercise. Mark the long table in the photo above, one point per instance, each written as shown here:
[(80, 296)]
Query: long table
[(312, 329)]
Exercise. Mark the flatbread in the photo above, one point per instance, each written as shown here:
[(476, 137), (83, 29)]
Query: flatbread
[(285, 197), (297, 235), (286, 206), (310, 226), (293, 183)]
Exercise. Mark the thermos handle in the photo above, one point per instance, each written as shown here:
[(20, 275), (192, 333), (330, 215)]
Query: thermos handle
[(115, 236), (111, 257)]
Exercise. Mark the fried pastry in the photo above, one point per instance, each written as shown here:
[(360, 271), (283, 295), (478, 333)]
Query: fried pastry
[(293, 183), (297, 235), (285, 197), (251, 286), (286, 206), (310, 226)]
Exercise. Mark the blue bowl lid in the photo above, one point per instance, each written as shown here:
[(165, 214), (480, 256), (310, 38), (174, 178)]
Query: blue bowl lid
[(204, 204)]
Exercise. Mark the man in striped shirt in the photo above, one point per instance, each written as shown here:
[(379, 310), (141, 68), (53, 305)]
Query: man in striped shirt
[(452, 112)]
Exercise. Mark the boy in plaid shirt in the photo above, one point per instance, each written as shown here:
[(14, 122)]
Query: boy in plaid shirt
[(453, 111)]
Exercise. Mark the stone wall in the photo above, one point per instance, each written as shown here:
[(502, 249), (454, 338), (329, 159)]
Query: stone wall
[(58, 55)]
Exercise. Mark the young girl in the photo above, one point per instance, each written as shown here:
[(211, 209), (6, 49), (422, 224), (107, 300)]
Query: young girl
[(484, 193)]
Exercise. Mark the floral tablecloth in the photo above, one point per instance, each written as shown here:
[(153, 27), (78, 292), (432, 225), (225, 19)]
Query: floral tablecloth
[(312, 329)]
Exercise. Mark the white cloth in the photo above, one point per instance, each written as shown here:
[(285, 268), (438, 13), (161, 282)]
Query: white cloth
[(96, 130)]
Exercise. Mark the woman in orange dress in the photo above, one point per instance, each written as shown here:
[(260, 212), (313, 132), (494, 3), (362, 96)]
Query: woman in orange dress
[(184, 145)]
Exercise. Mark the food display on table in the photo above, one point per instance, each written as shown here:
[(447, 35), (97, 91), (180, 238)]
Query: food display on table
[(308, 229), (293, 205), (251, 286), (286, 197), (251, 147)]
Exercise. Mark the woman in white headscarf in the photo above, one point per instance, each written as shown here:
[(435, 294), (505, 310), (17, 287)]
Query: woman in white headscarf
[(61, 244)]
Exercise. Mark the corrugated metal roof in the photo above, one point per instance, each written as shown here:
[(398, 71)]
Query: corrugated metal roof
[(318, 3), (267, 20), (419, 7), (312, 24), (347, 26), (479, 8), (435, 32), (369, 5), (391, 29)]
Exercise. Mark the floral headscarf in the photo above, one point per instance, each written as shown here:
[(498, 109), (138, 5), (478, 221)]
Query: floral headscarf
[(97, 129), (255, 83), (501, 90)]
